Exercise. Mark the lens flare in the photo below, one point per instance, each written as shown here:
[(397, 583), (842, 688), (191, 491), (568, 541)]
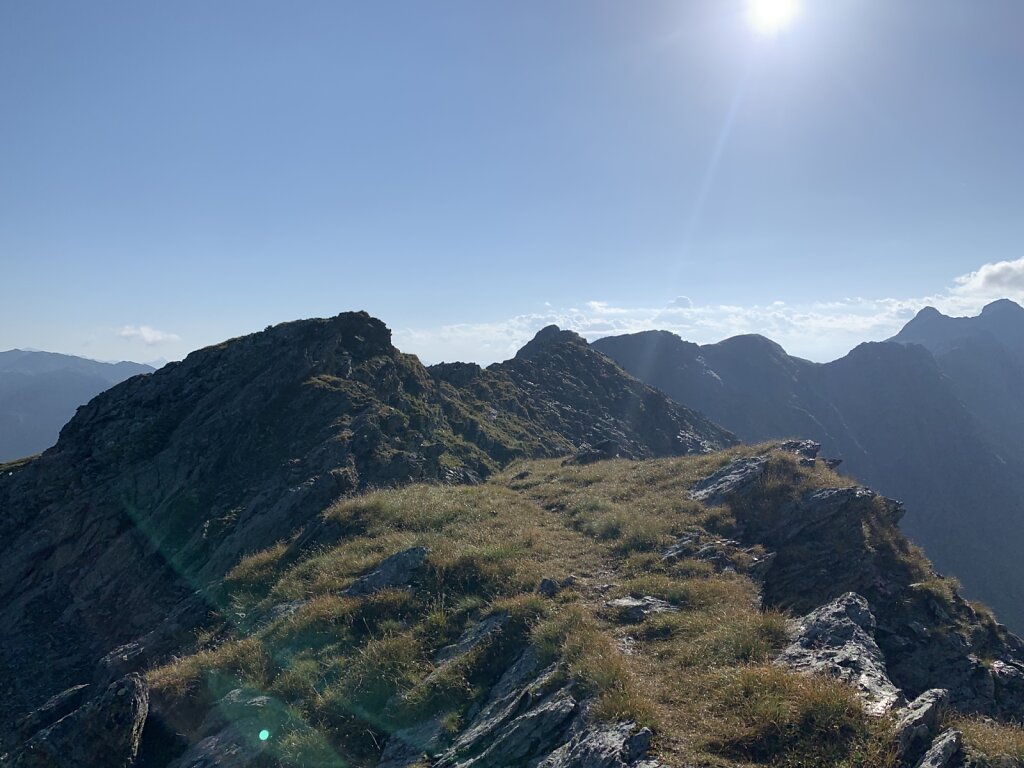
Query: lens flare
[(769, 17), (264, 734)]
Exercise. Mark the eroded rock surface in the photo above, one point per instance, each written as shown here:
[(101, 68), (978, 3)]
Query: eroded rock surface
[(838, 640), (734, 478), (102, 733), (946, 752), (919, 723)]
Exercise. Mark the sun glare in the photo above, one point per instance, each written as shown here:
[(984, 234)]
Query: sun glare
[(769, 17)]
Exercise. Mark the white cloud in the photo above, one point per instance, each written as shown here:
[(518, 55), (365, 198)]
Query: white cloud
[(1004, 279), (147, 335), (817, 330)]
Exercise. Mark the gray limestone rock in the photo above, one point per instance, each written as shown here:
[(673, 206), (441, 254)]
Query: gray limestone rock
[(919, 723), (734, 478), (615, 745), (945, 752), (838, 640)]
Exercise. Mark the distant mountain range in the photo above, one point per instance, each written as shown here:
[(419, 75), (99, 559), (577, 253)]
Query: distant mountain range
[(40, 391), (933, 417)]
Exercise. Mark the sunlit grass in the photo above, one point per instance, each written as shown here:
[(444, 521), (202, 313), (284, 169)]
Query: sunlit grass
[(355, 669)]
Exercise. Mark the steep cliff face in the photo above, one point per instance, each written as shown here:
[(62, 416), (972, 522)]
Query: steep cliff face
[(937, 429), (159, 485)]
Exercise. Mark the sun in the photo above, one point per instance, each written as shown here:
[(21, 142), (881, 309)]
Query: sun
[(769, 17)]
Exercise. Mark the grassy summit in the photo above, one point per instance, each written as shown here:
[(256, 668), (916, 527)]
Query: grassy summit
[(342, 672)]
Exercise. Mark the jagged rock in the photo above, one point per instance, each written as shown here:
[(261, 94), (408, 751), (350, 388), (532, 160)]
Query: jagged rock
[(535, 720), (518, 691), (229, 735), (601, 746), (64, 703), (243, 709), (102, 733), (945, 752), (633, 610), (919, 723), (837, 640), (1008, 679), (762, 564), (398, 570), (734, 478), (535, 732)]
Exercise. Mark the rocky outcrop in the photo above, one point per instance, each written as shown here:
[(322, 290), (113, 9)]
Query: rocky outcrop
[(537, 718), (837, 640), (102, 733), (735, 478), (830, 541), (603, 746)]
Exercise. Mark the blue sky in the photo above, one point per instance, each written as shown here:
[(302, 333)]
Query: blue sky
[(173, 174)]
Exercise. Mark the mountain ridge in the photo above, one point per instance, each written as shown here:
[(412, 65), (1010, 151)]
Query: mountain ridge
[(158, 485)]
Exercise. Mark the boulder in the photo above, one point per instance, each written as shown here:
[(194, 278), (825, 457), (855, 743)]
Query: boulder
[(600, 451), (227, 748), (548, 588), (399, 570)]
